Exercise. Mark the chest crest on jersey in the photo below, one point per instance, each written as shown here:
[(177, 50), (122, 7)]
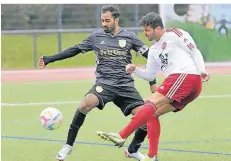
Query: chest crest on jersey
[(122, 43)]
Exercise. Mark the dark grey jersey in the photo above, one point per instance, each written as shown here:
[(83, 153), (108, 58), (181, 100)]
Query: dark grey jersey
[(113, 53)]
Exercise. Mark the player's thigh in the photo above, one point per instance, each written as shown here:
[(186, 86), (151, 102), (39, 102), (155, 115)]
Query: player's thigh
[(104, 93), (186, 100), (158, 99), (90, 101), (164, 109), (128, 100)]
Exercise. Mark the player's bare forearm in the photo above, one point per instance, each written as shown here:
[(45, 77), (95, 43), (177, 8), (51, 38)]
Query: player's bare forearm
[(153, 86)]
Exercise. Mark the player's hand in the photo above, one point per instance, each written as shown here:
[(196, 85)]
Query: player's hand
[(41, 62), (205, 77), (130, 68)]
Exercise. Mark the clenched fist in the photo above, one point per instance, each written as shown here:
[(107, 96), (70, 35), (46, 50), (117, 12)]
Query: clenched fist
[(130, 68), (205, 77)]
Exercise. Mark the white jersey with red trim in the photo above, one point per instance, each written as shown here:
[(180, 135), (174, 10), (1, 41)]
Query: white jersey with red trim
[(172, 53)]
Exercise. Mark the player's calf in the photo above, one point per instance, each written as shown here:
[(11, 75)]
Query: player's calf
[(85, 106), (137, 140), (76, 123)]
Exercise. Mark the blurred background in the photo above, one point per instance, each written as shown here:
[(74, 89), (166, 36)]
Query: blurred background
[(29, 31)]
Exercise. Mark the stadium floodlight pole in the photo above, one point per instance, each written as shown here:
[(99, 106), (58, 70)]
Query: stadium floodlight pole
[(162, 13), (35, 49), (136, 15), (136, 20), (98, 18), (60, 26)]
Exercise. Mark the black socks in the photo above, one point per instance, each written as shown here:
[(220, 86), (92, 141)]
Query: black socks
[(77, 122)]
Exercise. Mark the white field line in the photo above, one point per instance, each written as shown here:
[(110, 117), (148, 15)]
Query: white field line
[(63, 82), (39, 103), (76, 102), (61, 70)]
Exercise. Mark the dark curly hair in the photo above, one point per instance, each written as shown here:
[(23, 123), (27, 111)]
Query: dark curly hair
[(113, 9), (151, 19)]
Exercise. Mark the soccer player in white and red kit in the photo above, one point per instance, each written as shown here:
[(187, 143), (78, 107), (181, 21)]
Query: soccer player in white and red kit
[(174, 54)]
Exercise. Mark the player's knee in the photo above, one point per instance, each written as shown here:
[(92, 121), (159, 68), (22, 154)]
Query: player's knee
[(135, 110), (88, 103), (84, 107)]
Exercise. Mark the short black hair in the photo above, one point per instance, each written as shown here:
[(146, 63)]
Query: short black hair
[(113, 9), (151, 19)]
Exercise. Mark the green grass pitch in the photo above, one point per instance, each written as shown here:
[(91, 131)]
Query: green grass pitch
[(201, 132)]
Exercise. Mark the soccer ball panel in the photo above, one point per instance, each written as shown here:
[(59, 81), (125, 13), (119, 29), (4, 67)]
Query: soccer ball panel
[(51, 118)]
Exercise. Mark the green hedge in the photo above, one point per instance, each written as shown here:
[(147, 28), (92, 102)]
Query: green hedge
[(17, 50), (213, 47)]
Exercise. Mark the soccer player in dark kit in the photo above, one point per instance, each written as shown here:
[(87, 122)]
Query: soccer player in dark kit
[(112, 46)]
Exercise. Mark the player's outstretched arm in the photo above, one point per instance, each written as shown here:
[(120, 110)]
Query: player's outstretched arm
[(189, 45), (145, 74), (68, 53), (85, 46), (199, 60), (149, 73)]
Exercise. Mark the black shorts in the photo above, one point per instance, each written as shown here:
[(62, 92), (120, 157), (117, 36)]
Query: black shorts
[(126, 98)]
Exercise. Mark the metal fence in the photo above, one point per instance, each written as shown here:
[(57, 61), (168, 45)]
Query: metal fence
[(28, 19), (35, 33), (67, 16), (36, 19)]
